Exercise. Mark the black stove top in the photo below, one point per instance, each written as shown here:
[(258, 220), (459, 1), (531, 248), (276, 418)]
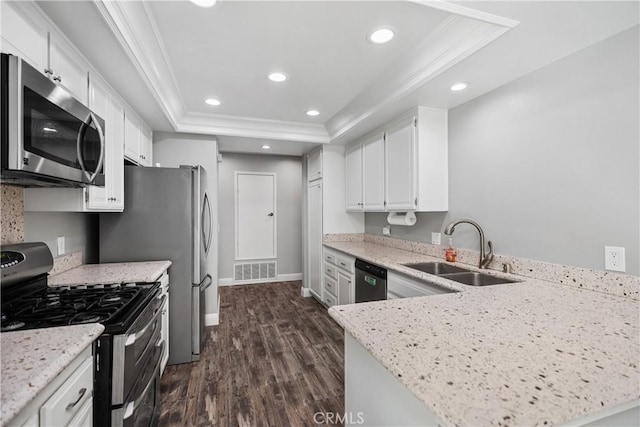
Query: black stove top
[(35, 305)]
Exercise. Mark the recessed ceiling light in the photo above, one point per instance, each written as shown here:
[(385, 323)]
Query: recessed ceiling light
[(381, 35), (266, 147), (278, 77), (204, 3), (313, 113), (212, 101), (459, 86)]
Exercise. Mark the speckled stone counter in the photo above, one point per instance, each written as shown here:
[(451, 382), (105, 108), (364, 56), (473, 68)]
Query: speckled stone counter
[(32, 359), (529, 353), (111, 273)]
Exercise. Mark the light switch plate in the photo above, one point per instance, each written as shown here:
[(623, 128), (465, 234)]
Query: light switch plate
[(435, 238), (614, 258), (61, 245)]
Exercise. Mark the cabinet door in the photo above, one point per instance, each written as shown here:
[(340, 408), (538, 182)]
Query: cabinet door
[(99, 102), (373, 173), (68, 69), (314, 165), (23, 35), (314, 224), (145, 146), (345, 283), (115, 127), (131, 137), (400, 174), (354, 177)]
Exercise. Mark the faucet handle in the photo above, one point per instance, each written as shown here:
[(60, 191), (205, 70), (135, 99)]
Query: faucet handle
[(489, 256)]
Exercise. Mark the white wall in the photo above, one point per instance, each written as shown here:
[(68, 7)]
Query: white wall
[(549, 163), (175, 149), (289, 208)]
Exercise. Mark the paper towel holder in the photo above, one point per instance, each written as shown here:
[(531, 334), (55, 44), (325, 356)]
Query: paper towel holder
[(402, 218)]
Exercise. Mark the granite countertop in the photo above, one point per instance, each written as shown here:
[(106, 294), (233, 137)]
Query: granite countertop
[(529, 353), (31, 359), (110, 273)]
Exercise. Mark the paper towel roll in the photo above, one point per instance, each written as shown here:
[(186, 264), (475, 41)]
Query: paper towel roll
[(401, 218)]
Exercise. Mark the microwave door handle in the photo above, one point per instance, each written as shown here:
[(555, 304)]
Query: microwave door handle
[(94, 119), (81, 132)]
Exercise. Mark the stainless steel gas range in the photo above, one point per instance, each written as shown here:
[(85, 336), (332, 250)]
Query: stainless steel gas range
[(127, 354)]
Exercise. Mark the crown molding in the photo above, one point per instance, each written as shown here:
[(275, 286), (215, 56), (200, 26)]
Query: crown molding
[(137, 33), (460, 10), (247, 127), (455, 39)]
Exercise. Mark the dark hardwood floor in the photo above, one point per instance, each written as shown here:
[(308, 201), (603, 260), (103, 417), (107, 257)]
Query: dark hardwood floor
[(276, 359)]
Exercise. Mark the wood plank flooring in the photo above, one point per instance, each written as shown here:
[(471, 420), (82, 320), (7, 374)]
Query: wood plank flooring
[(275, 359)]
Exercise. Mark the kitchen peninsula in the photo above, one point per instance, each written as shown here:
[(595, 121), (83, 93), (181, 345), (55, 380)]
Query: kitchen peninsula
[(528, 353)]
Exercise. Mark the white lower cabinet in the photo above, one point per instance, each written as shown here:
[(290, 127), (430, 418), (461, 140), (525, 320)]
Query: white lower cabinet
[(399, 286), (339, 278), (66, 401)]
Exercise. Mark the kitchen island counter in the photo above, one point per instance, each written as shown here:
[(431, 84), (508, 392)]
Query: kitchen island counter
[(528, 353), (111, 273), (31, 359)]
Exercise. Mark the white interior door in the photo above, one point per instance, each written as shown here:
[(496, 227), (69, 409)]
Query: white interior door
[(255, 215)]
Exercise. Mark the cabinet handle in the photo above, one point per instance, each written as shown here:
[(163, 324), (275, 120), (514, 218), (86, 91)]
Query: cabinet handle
[(343, 264), (81, 394), (48, 71), (57, 79)]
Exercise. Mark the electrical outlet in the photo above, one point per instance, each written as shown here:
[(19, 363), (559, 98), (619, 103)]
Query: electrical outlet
[(386, 230), (435, 238), (61, 245), (614, 258)]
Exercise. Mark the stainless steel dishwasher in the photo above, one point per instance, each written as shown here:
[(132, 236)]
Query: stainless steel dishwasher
[(371, 282)]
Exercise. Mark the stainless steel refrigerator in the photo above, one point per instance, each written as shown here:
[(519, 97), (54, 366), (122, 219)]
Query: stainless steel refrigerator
[(167, 216)]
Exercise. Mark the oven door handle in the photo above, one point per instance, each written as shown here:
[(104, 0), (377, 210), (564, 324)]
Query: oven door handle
[(131, 339), (131, 406)]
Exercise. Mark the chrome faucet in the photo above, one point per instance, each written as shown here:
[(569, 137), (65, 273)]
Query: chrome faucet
[(484, 259)]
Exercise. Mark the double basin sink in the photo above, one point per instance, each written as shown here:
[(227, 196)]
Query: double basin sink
[(458, 274)]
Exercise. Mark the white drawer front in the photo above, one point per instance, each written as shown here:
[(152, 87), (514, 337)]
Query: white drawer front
[(330, 270), (345, 263), (67, 401), (330, 300), (330, 285), (329, 257), (84, 417)]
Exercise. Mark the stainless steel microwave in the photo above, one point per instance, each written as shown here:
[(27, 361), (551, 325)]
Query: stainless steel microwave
[(48, 137)]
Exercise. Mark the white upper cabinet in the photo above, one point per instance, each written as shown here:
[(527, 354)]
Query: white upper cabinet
[(24, 35), (27, 35), (137, 140), (104, 103), (400, 157), (404, 165), (373, 172), (314, 165), (354, 177), (67, 68)]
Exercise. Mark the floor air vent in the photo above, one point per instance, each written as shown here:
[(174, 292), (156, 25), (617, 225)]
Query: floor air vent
[(255, 272)]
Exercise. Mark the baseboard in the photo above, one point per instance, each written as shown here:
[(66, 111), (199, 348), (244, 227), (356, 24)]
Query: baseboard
[(212, 319), (228, 281), (305, 292)]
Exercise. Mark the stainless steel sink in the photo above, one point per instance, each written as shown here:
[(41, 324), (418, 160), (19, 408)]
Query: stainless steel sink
[(437, 268), (477, 279)]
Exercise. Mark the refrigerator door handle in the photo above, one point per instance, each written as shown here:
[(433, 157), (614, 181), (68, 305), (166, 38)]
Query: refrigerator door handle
[(207, 239)]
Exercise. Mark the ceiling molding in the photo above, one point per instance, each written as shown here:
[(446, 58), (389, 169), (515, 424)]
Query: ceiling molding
[(137, 34), (468, 12), (253, 128), (455, 39)]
